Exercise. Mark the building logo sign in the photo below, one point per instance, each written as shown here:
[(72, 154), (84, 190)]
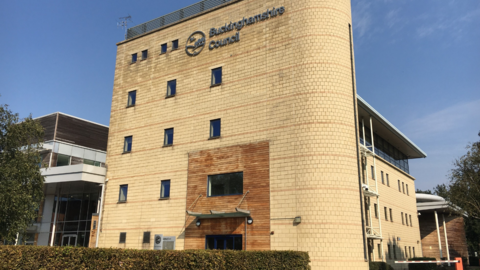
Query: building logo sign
[(196, 42)]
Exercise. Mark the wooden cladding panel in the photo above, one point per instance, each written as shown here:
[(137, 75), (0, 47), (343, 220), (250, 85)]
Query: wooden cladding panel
[(253, 161), (80, 132), (48, 122)]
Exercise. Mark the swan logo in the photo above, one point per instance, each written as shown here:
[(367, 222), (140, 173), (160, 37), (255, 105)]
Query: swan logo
[(195, 43)]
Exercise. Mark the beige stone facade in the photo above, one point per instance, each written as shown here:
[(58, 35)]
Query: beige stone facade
[(287, 82)]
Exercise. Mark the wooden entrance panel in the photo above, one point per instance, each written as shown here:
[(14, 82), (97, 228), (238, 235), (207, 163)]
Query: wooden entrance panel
[(253, 161)]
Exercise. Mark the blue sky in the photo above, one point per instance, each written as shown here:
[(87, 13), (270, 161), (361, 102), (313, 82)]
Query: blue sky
[(417, 63)]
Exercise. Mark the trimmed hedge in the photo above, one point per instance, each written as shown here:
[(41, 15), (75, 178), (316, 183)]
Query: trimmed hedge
[(31, 257), (380, 266), (422, 266)]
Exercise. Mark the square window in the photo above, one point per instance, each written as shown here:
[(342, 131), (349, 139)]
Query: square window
[(171, 88), (63, 160), (215, 126), (165, 189), (123, 238), (217, 76), (146, 237), (132, 98), (168, 137), (144, 54), (163, 48), (122, 197), (127, 146), (174, 44), (225, 184), (134, 58)]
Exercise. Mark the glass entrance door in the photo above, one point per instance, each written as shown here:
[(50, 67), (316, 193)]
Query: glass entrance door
[(232, 242), (69, 240)]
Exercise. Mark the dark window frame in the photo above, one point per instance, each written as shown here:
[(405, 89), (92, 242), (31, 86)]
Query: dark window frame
[(144, 54), (166, 141), (212, 131), (208, 185), (411, 225), (120, 193), (131, 98), (123, 238), (224, 239), (389, 252), (394, 252), (134, 58), (403, 221), (406, 219), (213, 76), (175, 45), (146, 238), (375, 208), (125, 148), (391, 214), (386, 213), (388, 180), (163, 48), (162, 191), (169, 88)]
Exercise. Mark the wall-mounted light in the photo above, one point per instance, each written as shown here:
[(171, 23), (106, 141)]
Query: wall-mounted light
[(297, 220), (398, 239), (249, 220), (198, 223)]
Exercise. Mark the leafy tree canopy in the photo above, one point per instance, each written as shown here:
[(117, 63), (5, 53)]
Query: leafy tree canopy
[(21, 183)]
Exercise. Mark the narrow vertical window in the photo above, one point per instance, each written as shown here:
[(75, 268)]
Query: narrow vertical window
[(389, 251), (391, 215), (386, 213), (146, 237), (406, 218), (373, 173), (375, 209), (171, 88), (411, 225), (408, 193), (132, 98), (399, 187), (122, 197), (410, 252), (414, 252), (123, 238), (174, 44), (383, 180), (134, 58), (394, 252), (388, 180), (165, 189), (379, 251), (406, 254), (216, 76), (127, 145), (144, 54), (215, 127), (403, 221), (168, 137), (403, 187), (163, 48)]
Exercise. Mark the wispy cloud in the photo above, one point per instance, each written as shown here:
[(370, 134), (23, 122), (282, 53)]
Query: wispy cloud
[(450, 120), (362, 16), (444, 23)]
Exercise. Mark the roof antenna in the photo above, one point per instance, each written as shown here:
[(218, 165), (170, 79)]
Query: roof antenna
[(124, 23)]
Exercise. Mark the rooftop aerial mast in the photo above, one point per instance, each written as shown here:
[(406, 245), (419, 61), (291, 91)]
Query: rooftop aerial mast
[(124, 23)]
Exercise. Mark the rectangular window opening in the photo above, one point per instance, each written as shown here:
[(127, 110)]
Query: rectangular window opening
[(389, 251), (146, 237), (408, 193), (414, 252), (174, 45), (373, 172), (144, 54), (383, 180), (391, 215), (411, 225), (406, 254), (386, 213), (388, 180), (171, 88), (216, 76), (379, 251), (225, 184), (165, 189), (215, 128), (406, 218), (123, 238), (163, 48), (403, 221), (122, 197), (132, 98), (168, 140), (134, 58), (376, 210), (127, 145), (403, 187), (394, 252), (399, 187), (63, 160)]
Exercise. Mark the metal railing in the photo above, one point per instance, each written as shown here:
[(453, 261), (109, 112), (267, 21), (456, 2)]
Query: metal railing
[(174, 17)]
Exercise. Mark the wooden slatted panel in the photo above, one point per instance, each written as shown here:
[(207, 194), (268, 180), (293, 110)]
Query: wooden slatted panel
[(48, 123), (80, 132)]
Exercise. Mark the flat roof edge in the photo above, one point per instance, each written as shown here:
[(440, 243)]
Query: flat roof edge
[(72, 117), (362, 103)]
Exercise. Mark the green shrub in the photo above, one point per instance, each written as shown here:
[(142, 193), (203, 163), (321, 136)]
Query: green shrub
[(422, 266), (379, 266), (30, 257)]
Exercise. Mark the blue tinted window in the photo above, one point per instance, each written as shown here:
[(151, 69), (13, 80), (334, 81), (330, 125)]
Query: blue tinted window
[(144, 54), (171, 88), (175, 44), (168, 136), (123, 193), (128, 144), (163, 48), (132, 97), (134, 58), (215, 128), (165, 191), (216, 76)]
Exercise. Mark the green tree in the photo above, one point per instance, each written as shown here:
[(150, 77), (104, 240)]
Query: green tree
[(21, 183)]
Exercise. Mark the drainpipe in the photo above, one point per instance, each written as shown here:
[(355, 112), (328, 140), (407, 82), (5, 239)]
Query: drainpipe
[(446, 239), (438, 234), (100, 213), (55, 219)]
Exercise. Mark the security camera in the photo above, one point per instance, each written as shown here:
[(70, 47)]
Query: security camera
[(365, 187)]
